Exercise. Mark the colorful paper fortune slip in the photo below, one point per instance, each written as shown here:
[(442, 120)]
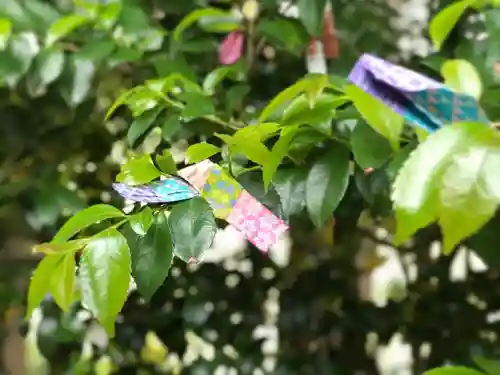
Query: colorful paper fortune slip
[(225, 195), (423, 101)]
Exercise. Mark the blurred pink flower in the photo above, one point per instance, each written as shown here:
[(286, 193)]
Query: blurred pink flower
[(231, 48)]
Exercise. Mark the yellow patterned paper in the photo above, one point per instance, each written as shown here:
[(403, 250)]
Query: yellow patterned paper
[(221, 191)]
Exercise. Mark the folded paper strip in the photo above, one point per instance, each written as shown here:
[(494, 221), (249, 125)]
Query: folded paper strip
[(225, 195), (423, 101)]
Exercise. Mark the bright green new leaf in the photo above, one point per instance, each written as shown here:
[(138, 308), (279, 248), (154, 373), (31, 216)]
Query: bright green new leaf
[(142, 125), (441, 25), (370, 149), (279, 151), (60, 248), (380, 117), (40, 282), (201, 151), (166, 162), (141, 221), (85, 218), (5, 31), (312, 85), (252, 148), (194, 17), (291, 187), (62, 283), (223, 23), (137, 171), (105, 268), (327, 183), (193, 228), (152, 256), (122, 99), (449, 178), (49, 65), (462, 77), (62, 27), (452, 370), (311, 13)]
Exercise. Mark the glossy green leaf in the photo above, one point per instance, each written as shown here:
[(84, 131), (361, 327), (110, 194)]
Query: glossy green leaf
[(312, 85), (60, 248), (441, 25), (370, 149), (85, 218), (49, 65), (96, 50), (326, 184), (197, 105), (142, 125), (449, 178), (291, 187), (252, 148), (152, 256), (380, 117), (137, 171), (64, 26), (194, 17), (141, 221), (24, 47), (311, 13), (166, 162), (452, 370), (80, 81), (105, 267), (201, 151), (193, 228), (62, 282), (40, 282), (490, 366), (462, 77)]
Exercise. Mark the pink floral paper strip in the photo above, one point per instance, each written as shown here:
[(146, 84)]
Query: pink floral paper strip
[(259, 225)]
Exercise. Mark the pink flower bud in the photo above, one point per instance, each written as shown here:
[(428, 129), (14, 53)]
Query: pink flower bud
[(231, 48)]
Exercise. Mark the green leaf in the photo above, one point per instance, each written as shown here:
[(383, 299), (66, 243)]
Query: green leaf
[(170, 126), (96, 50), (441, 25), (215, 77), (201, 151), (80, 81), (142, 125), (60, 248), (62, 27), (370, 149), (40, 282), (311, 13), (193, 228), (124, 54), (152, 256), (452, 370), (326, 184), (490, 366), (105, 268), (312, 85), (166, 162), (223, 23), (194, 17), (5, 31), (291, 187), (137, 171), (380, 117), (252, 148), (197, 105), (462, 77), (62, 282), (279, 151), (24, 47), (49, 65), (85, 218), (141, 221), (450, 177)]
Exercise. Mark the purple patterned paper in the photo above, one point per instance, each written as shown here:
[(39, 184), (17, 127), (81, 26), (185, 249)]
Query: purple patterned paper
[(388, 82)]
